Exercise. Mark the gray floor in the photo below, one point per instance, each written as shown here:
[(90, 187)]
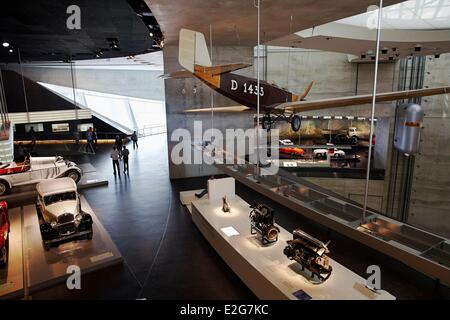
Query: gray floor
[(167, 258)]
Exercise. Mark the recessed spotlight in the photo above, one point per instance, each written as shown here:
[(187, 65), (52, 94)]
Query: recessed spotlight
[(151, 34), (11, 50), (5, 44)]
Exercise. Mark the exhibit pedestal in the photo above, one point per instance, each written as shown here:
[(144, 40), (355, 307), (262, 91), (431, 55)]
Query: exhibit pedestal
[(265, 269), (47, 268), (11, 275)]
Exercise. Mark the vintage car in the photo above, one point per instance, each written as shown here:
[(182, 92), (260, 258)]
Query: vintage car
[(333, 152), (294, 152), (60, 214), (35, 170), (4, 232), (310, 253), (286, 142)]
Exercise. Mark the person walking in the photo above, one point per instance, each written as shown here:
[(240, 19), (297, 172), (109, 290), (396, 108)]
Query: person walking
[(134, 138), (115, 156), (125, 155)]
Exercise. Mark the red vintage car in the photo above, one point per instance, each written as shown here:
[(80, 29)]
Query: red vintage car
[(293, 151), (4, 233)]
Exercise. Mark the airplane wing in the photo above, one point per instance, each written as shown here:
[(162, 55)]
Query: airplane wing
[(301, 106), (230, 109)]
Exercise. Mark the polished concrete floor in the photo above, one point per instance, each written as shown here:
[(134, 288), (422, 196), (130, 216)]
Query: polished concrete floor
[(166, 257)]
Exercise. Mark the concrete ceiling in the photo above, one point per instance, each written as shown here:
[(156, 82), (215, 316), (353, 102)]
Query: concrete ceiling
[(38, 28), (234, 21), (360, 41)]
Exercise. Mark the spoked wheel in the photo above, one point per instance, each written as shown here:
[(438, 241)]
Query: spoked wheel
[(4, 187), (74, 175), (4, 259)]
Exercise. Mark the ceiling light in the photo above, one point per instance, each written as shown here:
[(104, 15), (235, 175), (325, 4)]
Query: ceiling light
[(151, 34), (11, 50), (5, 44)]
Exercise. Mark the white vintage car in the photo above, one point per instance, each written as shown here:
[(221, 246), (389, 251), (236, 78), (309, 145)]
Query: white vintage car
[(59, 211), (35, 170), (333, 152)]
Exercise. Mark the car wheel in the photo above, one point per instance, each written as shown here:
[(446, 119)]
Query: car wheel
[(74, 175), (47, 246), (4, 187), (4, 259)]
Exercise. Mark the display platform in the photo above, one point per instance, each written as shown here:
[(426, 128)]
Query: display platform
[(47, 268), (11, 275), (416, 248), (91, 178), (187, 197), (265, 269)]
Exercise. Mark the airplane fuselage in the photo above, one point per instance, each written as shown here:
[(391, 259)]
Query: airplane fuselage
[(245, 90)]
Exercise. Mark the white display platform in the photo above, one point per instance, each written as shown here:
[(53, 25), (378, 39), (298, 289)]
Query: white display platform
[(265, 269), (46, 268), (11, 275), (187, 197)]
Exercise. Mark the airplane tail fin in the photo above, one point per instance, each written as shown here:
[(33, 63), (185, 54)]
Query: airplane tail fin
[(193, 50), (193, 55)]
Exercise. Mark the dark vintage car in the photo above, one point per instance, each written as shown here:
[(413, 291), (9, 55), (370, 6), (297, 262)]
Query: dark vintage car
[(59, 211), (4, 232)]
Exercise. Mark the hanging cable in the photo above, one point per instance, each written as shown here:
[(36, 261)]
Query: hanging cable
[(23, 86), (372, 116)]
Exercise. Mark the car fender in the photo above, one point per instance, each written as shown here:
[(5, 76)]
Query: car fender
[(63, 172)]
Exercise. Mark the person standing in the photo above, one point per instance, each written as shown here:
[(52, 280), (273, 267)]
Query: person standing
[(125, 154), (90, 140), (32, 137), (115, 156), (119, 143), (134, 138), (95, 137), (76, 137)]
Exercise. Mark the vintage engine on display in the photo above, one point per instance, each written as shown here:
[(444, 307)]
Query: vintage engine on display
[(262, 222), (408, 126), (310, 253)]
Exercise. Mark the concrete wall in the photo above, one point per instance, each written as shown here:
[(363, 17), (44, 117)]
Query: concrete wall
[(430, 200), (189, 93)]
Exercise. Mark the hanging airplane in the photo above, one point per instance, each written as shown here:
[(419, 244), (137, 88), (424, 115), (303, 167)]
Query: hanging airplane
[(275, 103)]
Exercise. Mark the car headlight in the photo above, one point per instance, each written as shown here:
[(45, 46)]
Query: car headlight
[(78, 217), (53, 224)]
